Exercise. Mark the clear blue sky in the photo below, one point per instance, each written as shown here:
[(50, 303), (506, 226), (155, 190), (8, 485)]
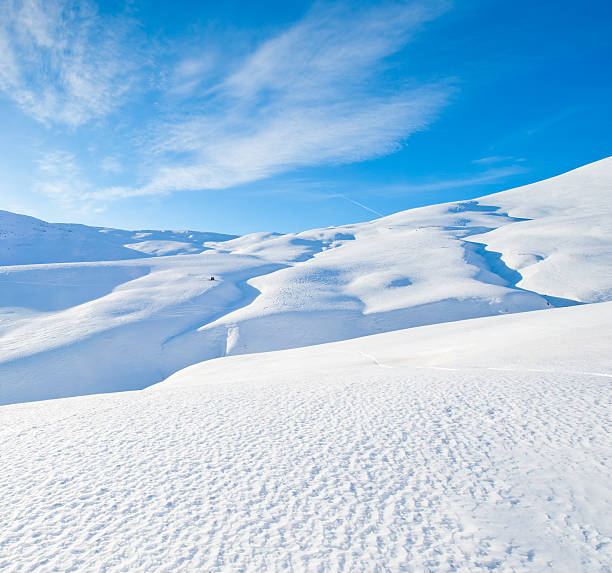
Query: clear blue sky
[(240, 116)]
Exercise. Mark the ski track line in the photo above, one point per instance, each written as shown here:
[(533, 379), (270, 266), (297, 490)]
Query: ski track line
[(248, 294), (375, 360)]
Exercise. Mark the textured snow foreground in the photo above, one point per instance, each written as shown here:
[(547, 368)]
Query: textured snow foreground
[(476, 445)]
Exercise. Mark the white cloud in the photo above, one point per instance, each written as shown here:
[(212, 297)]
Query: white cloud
[(111, 164), (321, 92), (62, 62), (61, 178), (315, 94), (492, 159), (190, 73)]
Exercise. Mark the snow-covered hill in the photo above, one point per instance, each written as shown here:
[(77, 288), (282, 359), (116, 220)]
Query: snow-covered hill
[(86, 327), (480, 445), (25, 240), (564, 248)]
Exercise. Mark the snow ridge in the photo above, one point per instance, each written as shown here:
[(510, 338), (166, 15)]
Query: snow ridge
[(25, 240)]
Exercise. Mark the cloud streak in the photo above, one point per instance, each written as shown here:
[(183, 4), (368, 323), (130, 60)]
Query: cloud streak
[(315, 94), (484, 177), (322, 92), (62, 62), (60, 178)]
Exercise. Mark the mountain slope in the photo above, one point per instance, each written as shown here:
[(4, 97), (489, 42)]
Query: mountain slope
[(564, 248), (26, 240), (544, 245), (547, 244)]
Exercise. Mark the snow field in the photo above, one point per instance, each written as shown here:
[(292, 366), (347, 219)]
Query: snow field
[(476, 445), (25, 240), (55, 354), (364, 468)]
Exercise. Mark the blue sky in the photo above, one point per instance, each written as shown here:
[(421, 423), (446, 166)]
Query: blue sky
[(241, 116)]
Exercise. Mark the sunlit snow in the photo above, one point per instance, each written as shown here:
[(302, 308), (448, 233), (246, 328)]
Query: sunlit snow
[(366, 397)]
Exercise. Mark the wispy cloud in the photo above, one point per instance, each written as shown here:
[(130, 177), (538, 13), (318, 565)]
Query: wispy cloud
[(315, 94), (61, 178), (492, 159), (456, 182), (321, 92), (64, 63), (111, 164), (190, 73), (553, 120)]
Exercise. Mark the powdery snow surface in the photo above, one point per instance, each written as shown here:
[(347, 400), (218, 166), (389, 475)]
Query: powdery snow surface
[(353, 456), (546, 244)]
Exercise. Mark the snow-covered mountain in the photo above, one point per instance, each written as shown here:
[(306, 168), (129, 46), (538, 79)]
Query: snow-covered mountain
[(25, 240), (543, 245)]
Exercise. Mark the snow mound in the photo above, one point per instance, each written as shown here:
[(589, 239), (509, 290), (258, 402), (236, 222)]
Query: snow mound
[(562, 340), (478, 445), (564, 248), (26, 240)]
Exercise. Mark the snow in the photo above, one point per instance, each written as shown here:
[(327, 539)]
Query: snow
[(26, 240), (564, 248), (50, 354), (428, 391), (357, 455), (547, 244), (563, 340)]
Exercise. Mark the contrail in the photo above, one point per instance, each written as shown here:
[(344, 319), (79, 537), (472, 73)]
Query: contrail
[(360, 205)]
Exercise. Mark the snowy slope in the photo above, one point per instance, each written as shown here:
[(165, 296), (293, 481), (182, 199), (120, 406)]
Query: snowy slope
[(565, 340), (564, 247), (547, 244), (472, 446), (26, 240)]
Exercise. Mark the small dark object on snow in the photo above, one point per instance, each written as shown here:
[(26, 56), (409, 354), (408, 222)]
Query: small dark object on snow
[(212, 278)]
